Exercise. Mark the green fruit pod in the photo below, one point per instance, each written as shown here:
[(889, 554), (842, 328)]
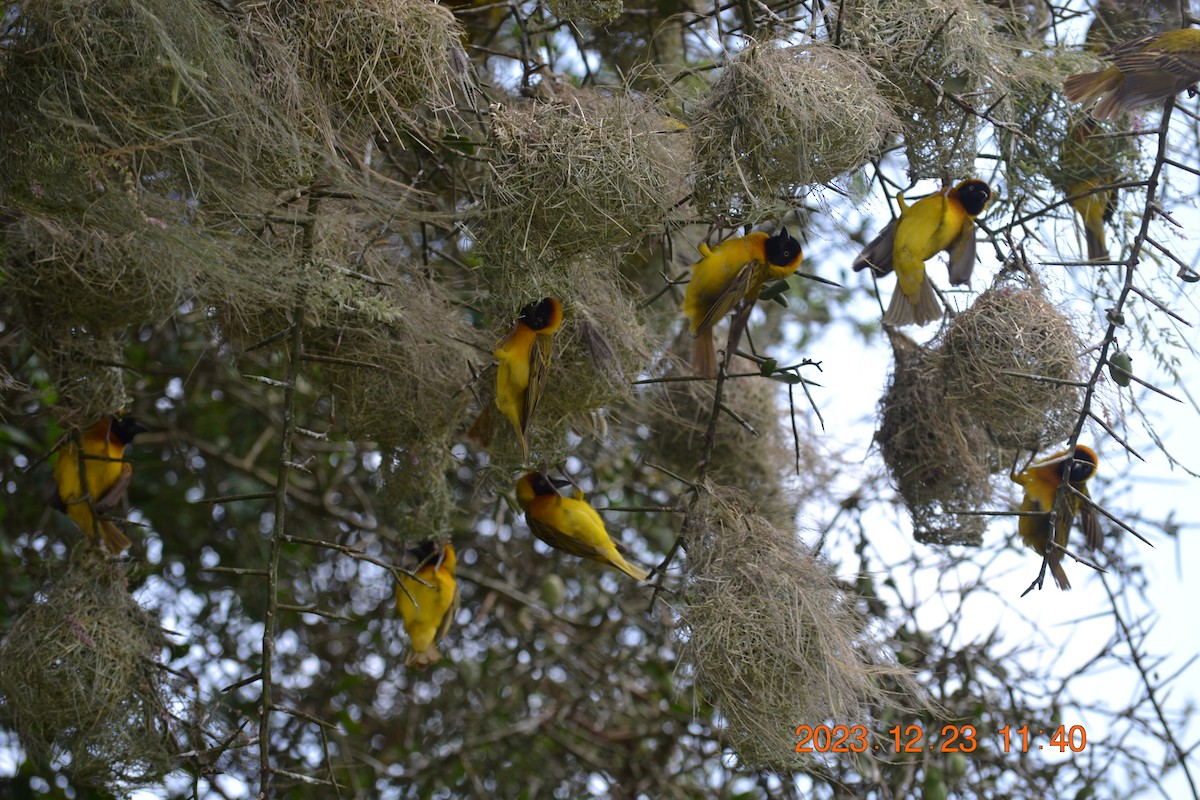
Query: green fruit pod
[(1120, 368)]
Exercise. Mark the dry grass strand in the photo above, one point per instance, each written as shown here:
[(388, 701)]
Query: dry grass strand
[(1013, 328), (79, 682), (781, 119), (771, 636), (938, 455)]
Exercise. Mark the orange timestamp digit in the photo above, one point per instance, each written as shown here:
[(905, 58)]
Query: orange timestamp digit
[(836, 739), (1074, 738), (950, 741)]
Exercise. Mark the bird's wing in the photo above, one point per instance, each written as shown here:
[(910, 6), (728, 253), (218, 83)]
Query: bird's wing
[(540, 356), (878, 254), (116, 493), (448, 617), (748, 281), (1089, 521), (962, 255), (561, 540)]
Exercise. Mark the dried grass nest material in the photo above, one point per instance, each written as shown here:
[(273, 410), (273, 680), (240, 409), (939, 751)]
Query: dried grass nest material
[(79, 680), (781, 119), (959, 45), (771, 637), (676, 415), (378, 60), (132, 90), (938, 455), (593, 12), (580, 175), (991, 355)]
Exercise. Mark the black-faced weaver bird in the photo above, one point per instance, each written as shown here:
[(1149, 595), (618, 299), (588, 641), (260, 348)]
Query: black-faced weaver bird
[(96, 487), (427, 603), (1041, 481), (569, 524), (941, 221), (730, 274), (525, 356), (1144, 71)]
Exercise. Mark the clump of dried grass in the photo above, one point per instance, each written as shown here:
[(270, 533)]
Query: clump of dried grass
[(157, 96), (923, 47), (781, 118), (938, 454), (771, 637), (676, 415), (375, 61), (992, 355), (575, 176), (79, 680), (593, 12)]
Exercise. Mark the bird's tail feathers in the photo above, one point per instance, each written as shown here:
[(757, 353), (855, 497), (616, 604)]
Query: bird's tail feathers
[(422, 659), (704, 355), (632, 570), (1097, 249), (1088, 87), (113, 540), (902, 311), (1060, 574)]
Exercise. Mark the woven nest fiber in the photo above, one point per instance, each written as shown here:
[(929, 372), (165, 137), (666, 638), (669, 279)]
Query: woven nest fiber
[(955, 45), (938, 455), (993, 355), (571, 177), (79, 680), (676, 416), (593, 12), (769, 635), (781, 119), (378, 60)]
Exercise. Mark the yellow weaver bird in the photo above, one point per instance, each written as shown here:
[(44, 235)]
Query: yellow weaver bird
[(1144, 71), (569, 524), (1041, 481), (525, 357), (107, 476), (1087, 163), (942, 221), (427, 621), (732, 272)]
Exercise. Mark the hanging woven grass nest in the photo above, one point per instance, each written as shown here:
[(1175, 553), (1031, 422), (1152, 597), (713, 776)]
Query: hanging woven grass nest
[(771, 637), (378, 60), (585, 173), (780, 120), (923, 49), (1011, 362), (938, 455), (80, 683)]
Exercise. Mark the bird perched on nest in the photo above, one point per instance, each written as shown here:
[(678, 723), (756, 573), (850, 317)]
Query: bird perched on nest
[(1086, 164), (107, 478), (942, 221), (435, 592), (569, 523), (1041, 481), (733, 272), (1144, 71), (525, 357)]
